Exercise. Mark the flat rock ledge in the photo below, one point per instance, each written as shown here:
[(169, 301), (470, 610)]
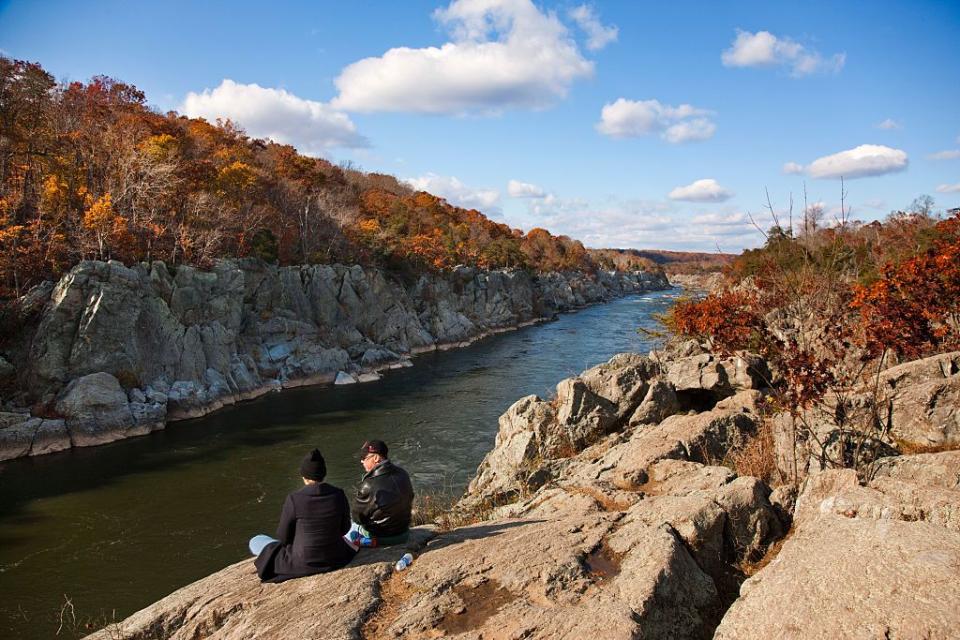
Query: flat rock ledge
[(605, 513), (111, 352)]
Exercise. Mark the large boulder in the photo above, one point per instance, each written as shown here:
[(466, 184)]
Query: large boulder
[(659, 403), (928, 415), (582, 416), (699, 372), (914, 406), (571, 576), (701, 380), (23, 435), (16, 434), (839, 577), (517, 450), (623, 380), (854, 552), (96, 410), (704, 437)]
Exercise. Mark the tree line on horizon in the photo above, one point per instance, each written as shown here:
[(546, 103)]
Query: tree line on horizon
[(89, 171)]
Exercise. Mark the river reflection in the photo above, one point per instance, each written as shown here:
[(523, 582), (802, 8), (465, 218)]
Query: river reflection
[(115, 527)]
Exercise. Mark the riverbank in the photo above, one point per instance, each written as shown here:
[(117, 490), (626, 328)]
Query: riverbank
[(112, 352), (136, 535), (624, 507)]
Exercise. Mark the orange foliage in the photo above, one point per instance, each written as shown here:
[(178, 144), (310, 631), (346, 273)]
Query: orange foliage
[(915, 306), (89, 170), (729, 319)]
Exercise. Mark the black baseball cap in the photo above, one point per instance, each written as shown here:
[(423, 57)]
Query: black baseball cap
[(373, 446)]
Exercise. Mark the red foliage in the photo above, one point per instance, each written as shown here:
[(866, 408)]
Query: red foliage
[(913, 308), (730, 320)]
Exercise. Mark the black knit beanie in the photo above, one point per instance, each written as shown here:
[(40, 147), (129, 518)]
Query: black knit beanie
[(313, 466)]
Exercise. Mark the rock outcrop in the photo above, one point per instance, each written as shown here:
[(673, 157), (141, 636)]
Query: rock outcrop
[(629, 531), (180, 343), (873, 560), (582, 522)]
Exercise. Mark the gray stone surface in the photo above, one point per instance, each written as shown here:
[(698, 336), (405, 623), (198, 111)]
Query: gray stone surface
[(233, 604), (7, 370), (95, 410), (210, 338)]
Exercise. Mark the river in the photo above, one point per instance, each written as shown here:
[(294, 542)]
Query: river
[(89, 535)]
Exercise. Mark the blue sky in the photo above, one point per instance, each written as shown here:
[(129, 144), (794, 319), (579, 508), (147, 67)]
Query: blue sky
[(630, 124)]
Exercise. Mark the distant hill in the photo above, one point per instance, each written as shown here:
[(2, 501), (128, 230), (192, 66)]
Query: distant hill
[(670, 261)]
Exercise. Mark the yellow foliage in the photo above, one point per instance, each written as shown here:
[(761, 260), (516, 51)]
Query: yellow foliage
[(370, 226), (160, 147), (235, 179), (100, 216), (54, 194)]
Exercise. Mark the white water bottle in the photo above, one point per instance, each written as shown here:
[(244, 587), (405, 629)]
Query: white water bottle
[(404, 562)]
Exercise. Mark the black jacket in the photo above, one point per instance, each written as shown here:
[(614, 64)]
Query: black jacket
[(310, 532), (384, 500)]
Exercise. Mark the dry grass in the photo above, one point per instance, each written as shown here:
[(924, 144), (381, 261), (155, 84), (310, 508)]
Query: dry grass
[(756, 457), (750, 568), (431, 508), (444, 511), (910, 448)]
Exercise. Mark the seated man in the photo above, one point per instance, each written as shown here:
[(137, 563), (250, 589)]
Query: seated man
[(310, 534), (381, 510)]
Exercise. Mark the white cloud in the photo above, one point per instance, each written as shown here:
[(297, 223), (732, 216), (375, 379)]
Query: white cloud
[(875, 203), (865, 160), (457, 193), (518, 189), (721, 219), (889, 124), (705, 190), (650, 224), (792, 168), (598, 35), (312, 127), (630, 118), (951, 154), (694, 130), (949, 188), (763, 49), (502, 54)]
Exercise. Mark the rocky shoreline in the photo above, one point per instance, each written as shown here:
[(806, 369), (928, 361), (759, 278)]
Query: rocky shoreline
[(111, 352), (621, 508)]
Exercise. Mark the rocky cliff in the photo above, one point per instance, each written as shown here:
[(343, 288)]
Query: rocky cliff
[(112, 351), (607, 512)]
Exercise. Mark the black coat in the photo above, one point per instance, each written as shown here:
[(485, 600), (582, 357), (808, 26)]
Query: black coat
[(384, 500), (310, 532)]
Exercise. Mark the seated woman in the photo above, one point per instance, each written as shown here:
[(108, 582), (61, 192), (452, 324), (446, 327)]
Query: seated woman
[(310, 534)]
